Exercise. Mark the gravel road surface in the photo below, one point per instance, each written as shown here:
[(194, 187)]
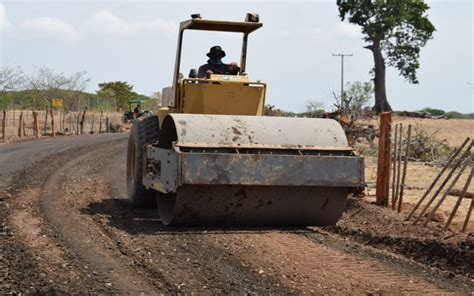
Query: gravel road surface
[(66, 228)]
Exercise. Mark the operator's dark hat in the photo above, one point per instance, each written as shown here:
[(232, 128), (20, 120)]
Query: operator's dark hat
[(216, 50)]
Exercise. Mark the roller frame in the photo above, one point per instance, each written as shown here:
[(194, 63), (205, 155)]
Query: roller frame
[(178, 168)]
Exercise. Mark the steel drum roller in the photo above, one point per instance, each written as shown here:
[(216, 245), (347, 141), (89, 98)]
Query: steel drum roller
[(247, 170)]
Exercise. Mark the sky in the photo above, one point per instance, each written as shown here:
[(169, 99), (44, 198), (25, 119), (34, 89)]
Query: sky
[(135, 41)]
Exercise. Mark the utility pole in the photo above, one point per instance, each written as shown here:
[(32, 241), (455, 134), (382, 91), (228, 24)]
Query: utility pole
[(342, 70)]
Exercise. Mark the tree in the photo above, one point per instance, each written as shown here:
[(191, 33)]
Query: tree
[(394, 28), (46, 84), (433, 111), (314, 109), (271, 110), (359, 94), (119, 91), (10, 79), (157, 97)]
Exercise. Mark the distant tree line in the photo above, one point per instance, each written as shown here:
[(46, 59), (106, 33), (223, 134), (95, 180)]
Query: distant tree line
[(356, 102), (36, 90), (449, 114)]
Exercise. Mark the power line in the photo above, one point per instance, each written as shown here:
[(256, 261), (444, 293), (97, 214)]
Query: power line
[(342, 69)]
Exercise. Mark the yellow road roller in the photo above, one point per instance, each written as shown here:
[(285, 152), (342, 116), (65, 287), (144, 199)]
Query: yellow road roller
[(211, 157)]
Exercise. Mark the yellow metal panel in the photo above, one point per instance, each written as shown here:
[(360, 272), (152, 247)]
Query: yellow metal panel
[(57, 102), (167, 98), (162, 112), (231, 98)]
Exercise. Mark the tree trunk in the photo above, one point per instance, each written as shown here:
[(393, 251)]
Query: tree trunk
[(381, 102)]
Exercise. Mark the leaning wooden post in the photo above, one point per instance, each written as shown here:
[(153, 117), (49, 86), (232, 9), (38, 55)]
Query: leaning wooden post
[(4, 125), (394, 164), (53, 129), (465, 164), (383, 164), (468, 215), (404, 174), (446, 180), (446, 166), (398, 160), (458, 202)]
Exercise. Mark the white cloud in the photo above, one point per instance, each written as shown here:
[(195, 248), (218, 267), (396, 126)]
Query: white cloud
[(105, 22), (347, 30), (4, 22), (304, 32), (51, 27), (342, 30)]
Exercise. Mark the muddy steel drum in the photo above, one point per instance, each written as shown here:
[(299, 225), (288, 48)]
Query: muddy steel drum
[(249, 170)]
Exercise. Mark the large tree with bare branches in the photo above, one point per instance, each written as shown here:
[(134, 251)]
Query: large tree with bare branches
[(10, 79), (396, 30), (49, 84)]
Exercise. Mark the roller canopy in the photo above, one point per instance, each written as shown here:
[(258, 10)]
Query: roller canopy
[(192, 130), (223, 26)]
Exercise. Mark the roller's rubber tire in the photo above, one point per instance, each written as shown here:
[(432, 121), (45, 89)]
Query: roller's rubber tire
[(144, 131)]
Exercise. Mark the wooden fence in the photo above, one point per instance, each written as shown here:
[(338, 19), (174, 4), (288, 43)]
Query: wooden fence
[(25, 124)]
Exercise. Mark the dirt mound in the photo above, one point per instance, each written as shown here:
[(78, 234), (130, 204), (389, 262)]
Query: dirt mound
[(385, 229)]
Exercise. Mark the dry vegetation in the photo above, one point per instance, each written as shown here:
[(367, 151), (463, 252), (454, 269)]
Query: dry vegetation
[(419, 174), (454, 131)]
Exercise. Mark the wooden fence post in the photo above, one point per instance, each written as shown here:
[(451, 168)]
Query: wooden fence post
[(383, 164), (100, 120), (107, 125), (46, 121), (63, 126), (20, 122), (83, 120), (53, 129), (24, 124), (78, 118), (4, 125), (36, 125), (92, 126)]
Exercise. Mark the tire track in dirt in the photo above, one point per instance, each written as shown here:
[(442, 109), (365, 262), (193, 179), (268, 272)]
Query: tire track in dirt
[(316, 268), (90, 256), (180, 257), (79, 237), (379, 254), (33, 261)]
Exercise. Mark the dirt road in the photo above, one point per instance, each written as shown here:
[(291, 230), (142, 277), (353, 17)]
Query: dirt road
[(66, 228)]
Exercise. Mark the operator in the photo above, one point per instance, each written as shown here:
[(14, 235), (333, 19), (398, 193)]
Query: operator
[(136, 111), (215, 64)]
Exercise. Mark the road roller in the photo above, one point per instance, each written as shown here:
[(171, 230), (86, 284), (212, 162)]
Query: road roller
[(211, 157)]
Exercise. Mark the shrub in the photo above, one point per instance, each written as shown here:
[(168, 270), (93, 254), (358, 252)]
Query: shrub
[(433, 111)]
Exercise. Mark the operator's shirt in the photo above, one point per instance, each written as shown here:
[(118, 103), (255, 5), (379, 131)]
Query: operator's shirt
[(217, 69)]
